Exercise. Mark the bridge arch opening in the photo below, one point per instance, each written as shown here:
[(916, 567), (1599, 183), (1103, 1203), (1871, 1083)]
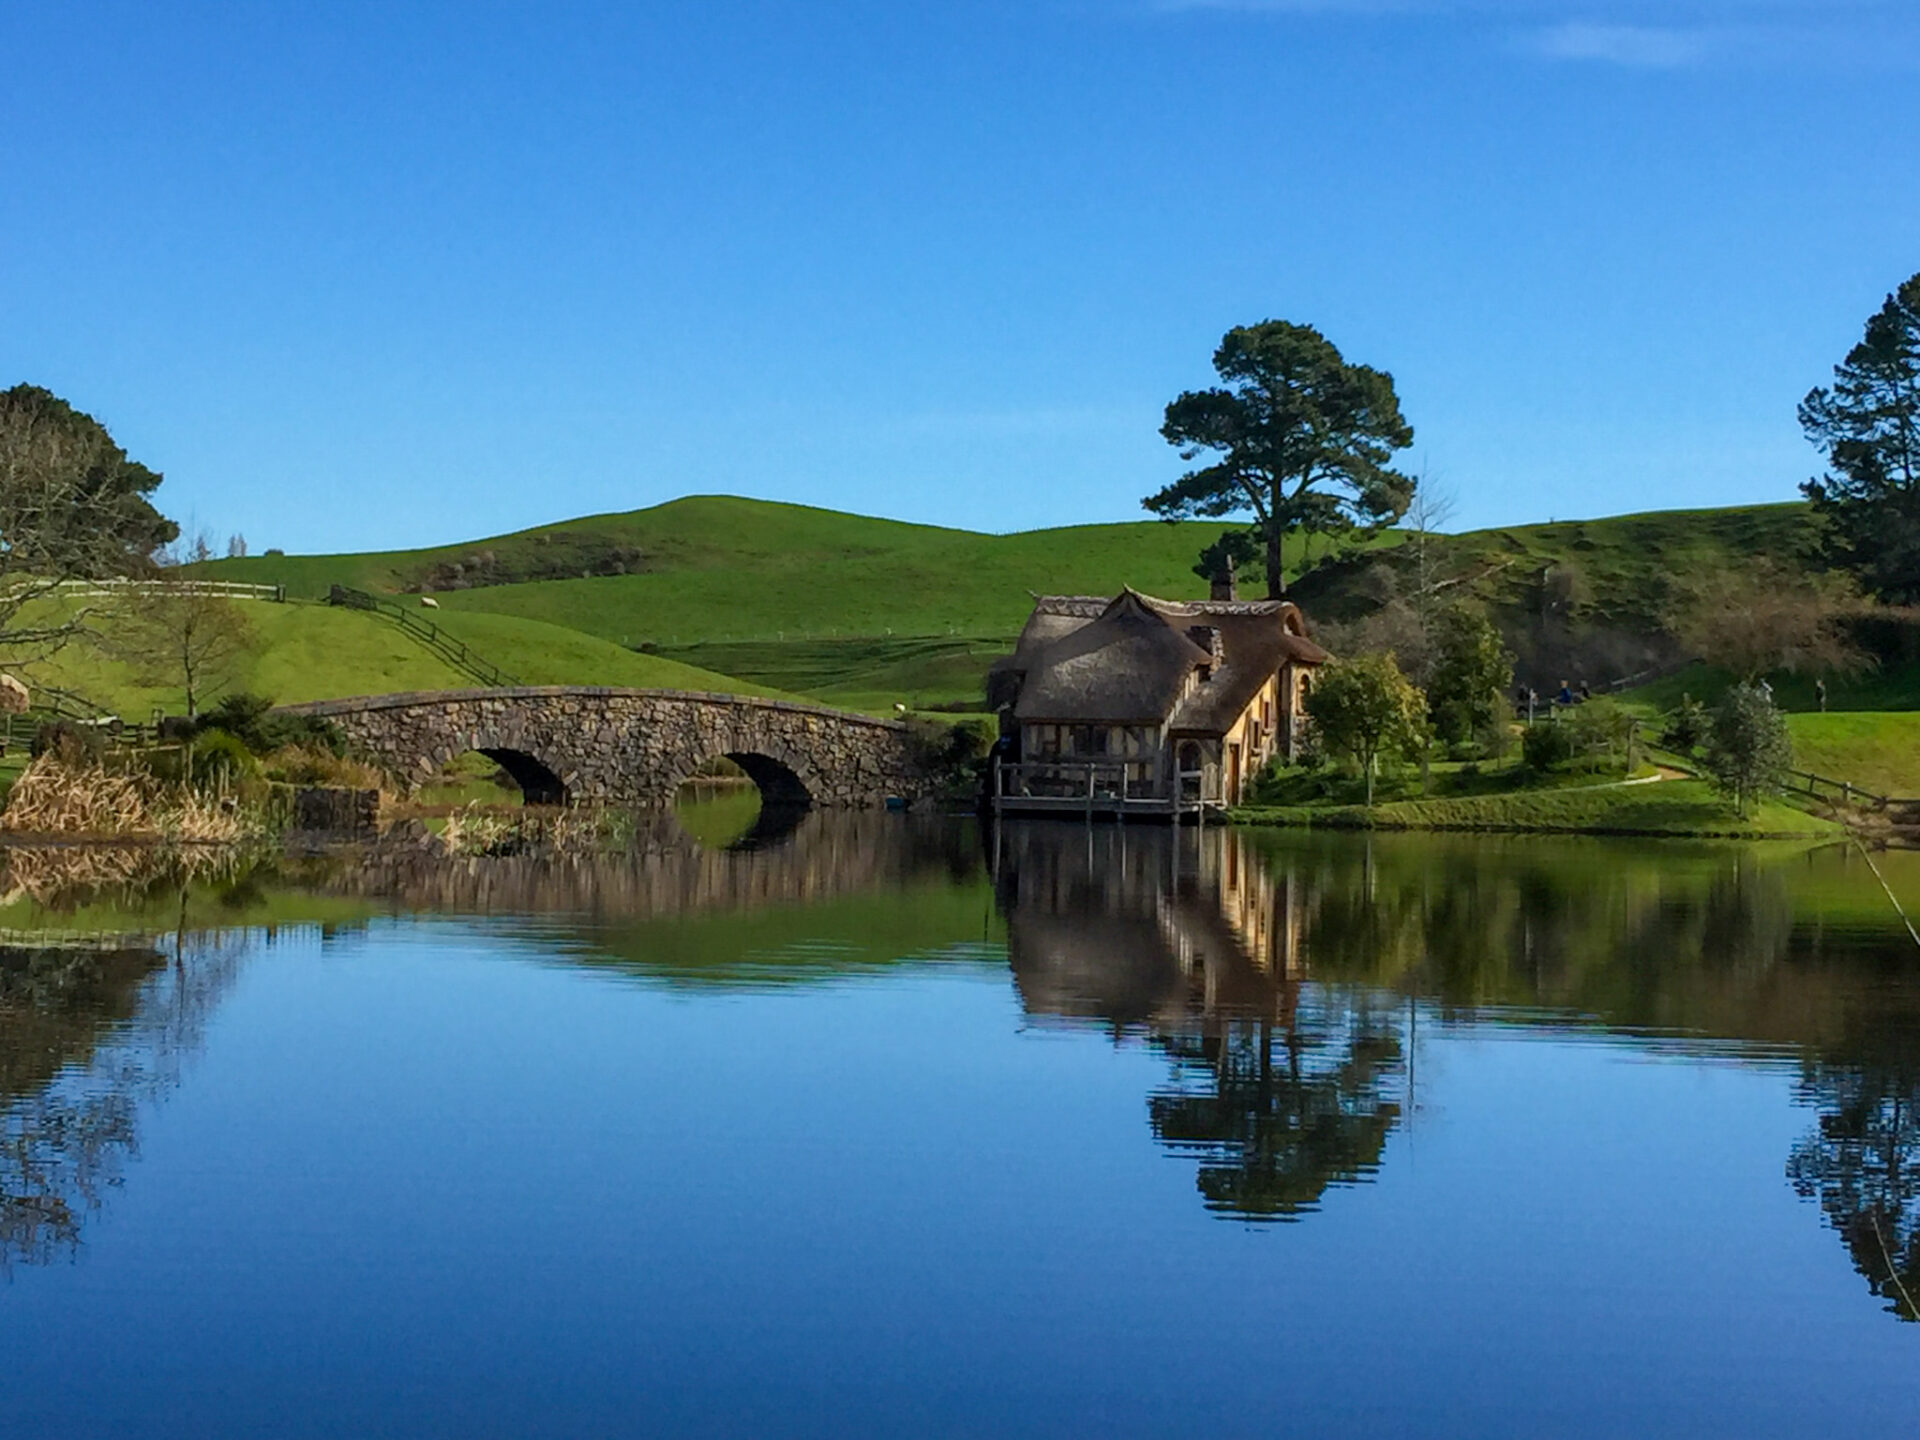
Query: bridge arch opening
[(495, 775), (741, 800)]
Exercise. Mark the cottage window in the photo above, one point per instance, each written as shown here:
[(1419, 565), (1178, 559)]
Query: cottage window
[(1088, 740)]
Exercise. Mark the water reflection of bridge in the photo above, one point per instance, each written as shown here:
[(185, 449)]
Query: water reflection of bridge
[(1278, 977), (659, 872)]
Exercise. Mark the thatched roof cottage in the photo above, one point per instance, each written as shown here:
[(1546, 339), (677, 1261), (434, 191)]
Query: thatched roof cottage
[(1136, 704)]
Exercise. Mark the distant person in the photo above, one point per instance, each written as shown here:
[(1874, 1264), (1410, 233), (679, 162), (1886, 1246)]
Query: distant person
[(1565, 697), (1586, 692), (1820, 695), (1766, 689)]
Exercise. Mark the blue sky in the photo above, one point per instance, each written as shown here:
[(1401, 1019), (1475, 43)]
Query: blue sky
[(360, 275)]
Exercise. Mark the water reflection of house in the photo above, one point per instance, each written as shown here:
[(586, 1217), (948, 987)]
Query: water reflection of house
[(1277, 1089), (1145, 927), (1134, 705)]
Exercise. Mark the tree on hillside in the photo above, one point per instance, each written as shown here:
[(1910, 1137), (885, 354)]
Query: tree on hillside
[(1472, 668), (1300, 440), (1364, 707), (178, 633), (1867, 424), (72, 507), (1748, 749)]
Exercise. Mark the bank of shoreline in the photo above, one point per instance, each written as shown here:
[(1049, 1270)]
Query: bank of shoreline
[(1674, 809)]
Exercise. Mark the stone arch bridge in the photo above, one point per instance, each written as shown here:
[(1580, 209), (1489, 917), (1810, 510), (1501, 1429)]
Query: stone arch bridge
[(573, 744)]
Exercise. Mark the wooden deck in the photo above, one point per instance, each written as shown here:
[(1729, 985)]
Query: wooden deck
[(1095, 788)]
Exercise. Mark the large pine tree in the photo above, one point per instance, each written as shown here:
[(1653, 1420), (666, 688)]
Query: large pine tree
[(1300, 440), (1867, 423)]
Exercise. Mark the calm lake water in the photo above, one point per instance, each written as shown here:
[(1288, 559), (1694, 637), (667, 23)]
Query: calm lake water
[(886, 1127)]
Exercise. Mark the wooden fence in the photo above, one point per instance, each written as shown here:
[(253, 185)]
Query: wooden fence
[(117, 585), (454, 652), (1821, 787)]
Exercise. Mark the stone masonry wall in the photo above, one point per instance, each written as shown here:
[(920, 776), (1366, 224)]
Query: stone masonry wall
[(634, 747)]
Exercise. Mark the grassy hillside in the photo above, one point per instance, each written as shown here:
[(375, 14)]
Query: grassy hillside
[(317, 652), (869, 674), (1625, 569), (717, 568), (1892, 687), (1880, 751), (819, 601), (1869, 735)]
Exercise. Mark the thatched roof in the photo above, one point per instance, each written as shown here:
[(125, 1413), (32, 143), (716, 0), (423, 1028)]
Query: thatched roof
[(1253, 648), (1128, 667), (1128, 660)]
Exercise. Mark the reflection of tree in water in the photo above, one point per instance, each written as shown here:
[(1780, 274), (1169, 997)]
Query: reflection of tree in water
[(1278, 1090), (88, 1031), (1276, 1113), (1861, 1161)]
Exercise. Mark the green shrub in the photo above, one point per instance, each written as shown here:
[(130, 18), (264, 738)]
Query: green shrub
[(1494, 739), (222, 761), (1601, 731), (1547, 745), (1686, 727), (310, 765), (239, 715), (1266, 788), (250, 719), (952, 751)]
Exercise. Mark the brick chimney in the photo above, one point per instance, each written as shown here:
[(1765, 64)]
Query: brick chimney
[(1222, 586)]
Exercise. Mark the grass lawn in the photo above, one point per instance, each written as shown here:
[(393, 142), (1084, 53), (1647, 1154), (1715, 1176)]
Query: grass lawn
[(1334, 785), (317, 652), (1878, 750), (1667, 807), (860, 674), (1892, 688)]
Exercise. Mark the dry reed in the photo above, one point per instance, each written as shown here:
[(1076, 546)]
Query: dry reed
[(474, 831), (59, 797), (48, 874)]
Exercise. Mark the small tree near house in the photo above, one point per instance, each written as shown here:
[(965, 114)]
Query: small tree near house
[(1472, 669), (1364, 707)]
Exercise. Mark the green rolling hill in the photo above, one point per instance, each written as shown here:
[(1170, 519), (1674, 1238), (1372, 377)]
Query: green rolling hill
[(721, 569), (866, 612), (722, 593), (304, 651)]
